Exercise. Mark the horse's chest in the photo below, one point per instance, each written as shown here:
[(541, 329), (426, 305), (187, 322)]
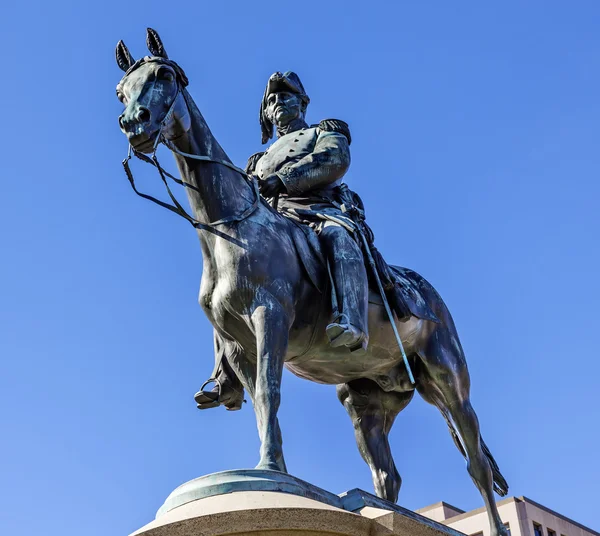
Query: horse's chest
[(226, 293)]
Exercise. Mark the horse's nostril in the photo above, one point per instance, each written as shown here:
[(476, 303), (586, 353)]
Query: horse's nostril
[(121, 124), (143, 115)]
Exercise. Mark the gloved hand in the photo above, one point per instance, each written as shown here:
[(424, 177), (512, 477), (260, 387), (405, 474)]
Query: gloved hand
[(271, 186)]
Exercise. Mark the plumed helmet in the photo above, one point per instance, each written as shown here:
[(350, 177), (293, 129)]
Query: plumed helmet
[(288, 81)]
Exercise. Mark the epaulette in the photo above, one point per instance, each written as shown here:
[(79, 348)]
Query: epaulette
[(252, 161), (336, 125)]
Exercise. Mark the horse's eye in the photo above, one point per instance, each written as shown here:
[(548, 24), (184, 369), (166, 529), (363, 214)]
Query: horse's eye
[(166, 75)]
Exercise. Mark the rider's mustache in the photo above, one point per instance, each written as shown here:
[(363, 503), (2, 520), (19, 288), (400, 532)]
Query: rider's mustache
[(281, 106)]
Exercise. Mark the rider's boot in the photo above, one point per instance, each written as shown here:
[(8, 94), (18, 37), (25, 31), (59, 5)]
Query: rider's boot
[(350, 327), (342, 333), (227, 391)]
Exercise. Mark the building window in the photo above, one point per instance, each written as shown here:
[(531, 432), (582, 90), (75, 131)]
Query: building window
[(507, 527), (551, 532), (537, 529)]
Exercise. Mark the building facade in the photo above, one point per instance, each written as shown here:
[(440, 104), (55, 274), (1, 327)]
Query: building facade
[(522, 516)]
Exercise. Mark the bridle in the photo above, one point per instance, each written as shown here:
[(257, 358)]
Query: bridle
[(176, 206)]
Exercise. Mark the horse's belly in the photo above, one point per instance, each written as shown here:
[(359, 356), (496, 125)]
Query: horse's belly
[(323, 364), (333, 368)]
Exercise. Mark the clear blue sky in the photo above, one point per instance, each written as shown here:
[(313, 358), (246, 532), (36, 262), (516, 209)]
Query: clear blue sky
[(475, 129)]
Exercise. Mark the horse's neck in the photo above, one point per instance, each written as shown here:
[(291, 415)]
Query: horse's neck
[(218, 191)]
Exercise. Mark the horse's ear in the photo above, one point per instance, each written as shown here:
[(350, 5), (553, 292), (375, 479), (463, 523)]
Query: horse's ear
[(124, 59), (155, 45)]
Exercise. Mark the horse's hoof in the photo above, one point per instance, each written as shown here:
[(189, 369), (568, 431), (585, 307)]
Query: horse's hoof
[(271, 466)]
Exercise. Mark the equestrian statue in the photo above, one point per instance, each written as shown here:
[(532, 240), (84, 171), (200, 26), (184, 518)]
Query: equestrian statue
[(291, 275)]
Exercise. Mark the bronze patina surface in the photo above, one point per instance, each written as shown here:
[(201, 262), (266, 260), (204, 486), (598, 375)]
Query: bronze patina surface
[(265, 284)]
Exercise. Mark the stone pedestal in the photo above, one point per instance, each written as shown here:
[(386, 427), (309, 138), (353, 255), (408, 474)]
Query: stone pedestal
[(255, 502)]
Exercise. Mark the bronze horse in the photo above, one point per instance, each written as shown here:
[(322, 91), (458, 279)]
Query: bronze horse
[(267, 311)]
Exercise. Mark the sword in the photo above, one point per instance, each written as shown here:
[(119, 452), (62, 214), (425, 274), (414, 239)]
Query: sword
[(385, 303)]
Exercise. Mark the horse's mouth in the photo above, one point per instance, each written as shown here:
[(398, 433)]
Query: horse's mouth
[(143, 143)]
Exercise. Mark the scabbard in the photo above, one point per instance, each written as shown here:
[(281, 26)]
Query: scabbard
[(373, 266)]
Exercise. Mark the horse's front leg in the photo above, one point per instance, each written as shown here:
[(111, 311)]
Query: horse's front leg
[(271, 328)]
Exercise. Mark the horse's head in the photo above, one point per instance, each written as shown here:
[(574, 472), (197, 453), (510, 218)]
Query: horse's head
[(152, 92)]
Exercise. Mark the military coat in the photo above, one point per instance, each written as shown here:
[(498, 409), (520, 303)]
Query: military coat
[(311, 163)]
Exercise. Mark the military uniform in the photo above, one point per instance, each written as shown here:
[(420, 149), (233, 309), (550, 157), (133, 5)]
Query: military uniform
[(311, 163)]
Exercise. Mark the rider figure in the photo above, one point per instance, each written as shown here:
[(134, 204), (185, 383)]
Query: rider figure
[(304, 169)]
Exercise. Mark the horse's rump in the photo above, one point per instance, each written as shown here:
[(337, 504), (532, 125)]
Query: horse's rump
[(417, 293)]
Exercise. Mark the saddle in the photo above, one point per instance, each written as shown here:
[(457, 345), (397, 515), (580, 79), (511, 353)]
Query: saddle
[(403, 287)]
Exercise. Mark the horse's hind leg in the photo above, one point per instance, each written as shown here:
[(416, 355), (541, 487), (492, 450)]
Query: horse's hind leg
[(444, 382), (373, 412)]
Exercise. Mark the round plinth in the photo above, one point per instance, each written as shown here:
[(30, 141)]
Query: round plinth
[(269, 503), (245, 480), (252, 502)]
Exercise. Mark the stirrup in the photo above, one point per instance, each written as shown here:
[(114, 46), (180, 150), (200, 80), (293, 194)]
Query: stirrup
[(213, 399), (209, 399)]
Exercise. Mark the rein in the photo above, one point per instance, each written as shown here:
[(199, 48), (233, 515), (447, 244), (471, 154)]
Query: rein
[(176, 206)]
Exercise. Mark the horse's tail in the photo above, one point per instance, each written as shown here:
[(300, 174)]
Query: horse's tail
[(500, 484)]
